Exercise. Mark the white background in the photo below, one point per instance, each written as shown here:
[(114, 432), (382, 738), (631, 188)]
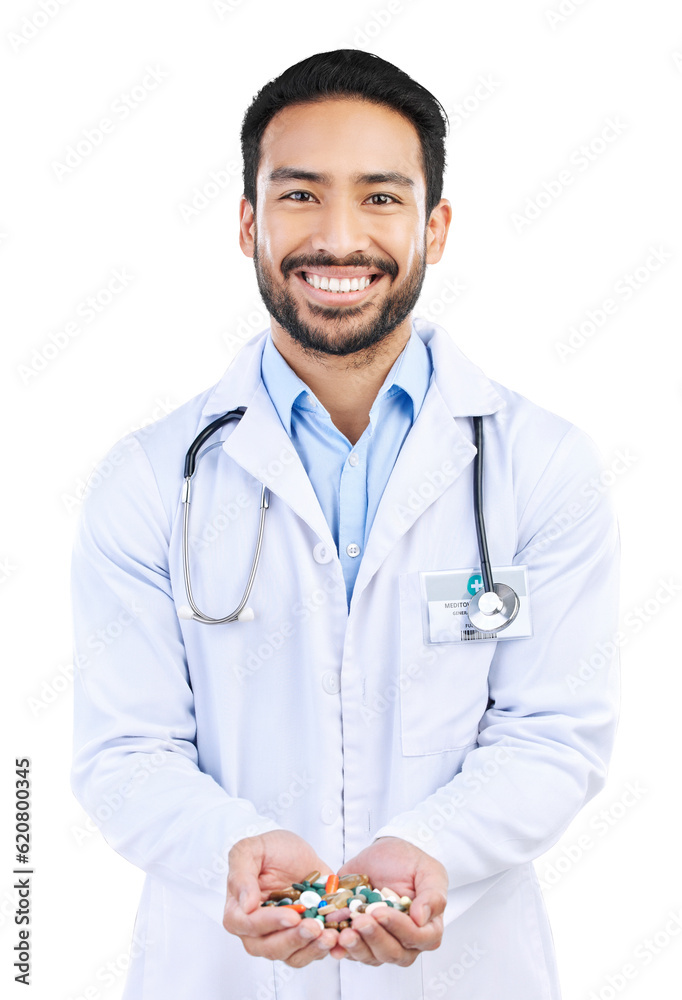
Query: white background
[(553, 84)]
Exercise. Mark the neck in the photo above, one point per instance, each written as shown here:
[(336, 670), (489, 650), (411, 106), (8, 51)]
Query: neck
[(345, 385)]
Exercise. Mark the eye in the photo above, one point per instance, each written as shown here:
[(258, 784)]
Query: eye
[(306, 194), (384, 196)]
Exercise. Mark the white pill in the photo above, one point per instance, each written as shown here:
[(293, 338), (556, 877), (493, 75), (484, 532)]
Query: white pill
[(390, 894), (355, 902), (375, 906), (309, 898)]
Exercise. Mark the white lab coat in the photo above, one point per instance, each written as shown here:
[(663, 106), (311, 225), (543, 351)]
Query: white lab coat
[(342, 725)]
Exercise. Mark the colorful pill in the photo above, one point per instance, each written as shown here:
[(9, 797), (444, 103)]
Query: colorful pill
[(310, 898), (332, 884)]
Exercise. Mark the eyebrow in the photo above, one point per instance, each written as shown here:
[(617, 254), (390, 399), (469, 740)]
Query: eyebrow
[(297, 174)]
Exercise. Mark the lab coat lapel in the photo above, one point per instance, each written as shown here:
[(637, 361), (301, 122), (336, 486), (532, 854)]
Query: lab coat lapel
[(433, 456), (437, 449), (259, 443)]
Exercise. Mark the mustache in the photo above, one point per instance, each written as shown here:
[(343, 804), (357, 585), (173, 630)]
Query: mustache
[(290, 264)]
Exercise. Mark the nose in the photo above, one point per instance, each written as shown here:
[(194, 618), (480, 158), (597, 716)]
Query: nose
[(340, 229)]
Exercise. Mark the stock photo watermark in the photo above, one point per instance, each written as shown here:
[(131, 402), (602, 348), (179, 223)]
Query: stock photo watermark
[(97, 642), (580, 160), (565, 857), (643, 955), (561, 12), (624, 289), (108, 973), (466, 106), (472, 781), (33, 24), (107, 466), (438, 986), (621, 463), (86, 312), (634, 622), (7, 569), (142, 769), (92, 137), (205, 193)]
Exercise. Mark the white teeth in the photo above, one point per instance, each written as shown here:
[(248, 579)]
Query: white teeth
[(338, 284)]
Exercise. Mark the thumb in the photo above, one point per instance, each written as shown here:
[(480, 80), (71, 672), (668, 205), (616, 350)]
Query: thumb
[(242, 880), (430, 898)]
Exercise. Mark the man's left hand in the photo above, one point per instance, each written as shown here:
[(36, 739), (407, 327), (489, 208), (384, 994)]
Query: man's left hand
[(388, 934)]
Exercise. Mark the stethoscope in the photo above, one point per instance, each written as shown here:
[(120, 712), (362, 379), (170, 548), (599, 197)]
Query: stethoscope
[(492, 609)]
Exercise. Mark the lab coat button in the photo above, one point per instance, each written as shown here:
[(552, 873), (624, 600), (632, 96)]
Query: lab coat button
[(321, 553), (353, 549), (329, 813), (330, 682)]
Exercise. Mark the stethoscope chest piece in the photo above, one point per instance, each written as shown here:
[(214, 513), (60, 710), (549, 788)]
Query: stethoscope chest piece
[(490, 611)]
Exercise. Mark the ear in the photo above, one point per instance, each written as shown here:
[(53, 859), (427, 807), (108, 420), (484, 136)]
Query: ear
[(437, 231), (247, 225)]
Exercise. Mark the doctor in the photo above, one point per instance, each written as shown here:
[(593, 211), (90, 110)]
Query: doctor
[(334, 730)]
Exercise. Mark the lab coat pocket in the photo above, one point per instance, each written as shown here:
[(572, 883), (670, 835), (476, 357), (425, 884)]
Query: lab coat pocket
[(443, 686)]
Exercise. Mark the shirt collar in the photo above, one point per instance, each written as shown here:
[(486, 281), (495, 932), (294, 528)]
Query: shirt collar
[(411, 373)]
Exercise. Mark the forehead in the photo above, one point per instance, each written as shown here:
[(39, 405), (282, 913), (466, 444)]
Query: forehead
[(342, 137)]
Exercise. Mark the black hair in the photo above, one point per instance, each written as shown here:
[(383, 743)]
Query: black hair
[(352, 73)]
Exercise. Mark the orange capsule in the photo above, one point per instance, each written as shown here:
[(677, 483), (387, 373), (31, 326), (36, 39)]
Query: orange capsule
[(332, 884), (299, 907)]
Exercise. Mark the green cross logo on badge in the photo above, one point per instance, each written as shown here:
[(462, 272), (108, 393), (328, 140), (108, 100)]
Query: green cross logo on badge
[(475, 584)]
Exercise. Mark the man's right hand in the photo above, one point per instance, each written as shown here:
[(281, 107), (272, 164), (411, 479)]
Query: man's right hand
[(257, 866)]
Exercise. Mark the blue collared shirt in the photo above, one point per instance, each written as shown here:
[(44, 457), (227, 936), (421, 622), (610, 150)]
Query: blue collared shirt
[(349, 480)]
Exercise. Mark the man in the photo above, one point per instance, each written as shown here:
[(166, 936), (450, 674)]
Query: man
[(329, 728)]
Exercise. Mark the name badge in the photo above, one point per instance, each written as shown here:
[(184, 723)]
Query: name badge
[(445, 599)]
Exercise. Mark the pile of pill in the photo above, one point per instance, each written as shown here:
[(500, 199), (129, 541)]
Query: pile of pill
[(332, 901)]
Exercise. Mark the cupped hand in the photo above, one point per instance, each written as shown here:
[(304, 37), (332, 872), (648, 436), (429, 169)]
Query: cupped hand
[(388, 934), (257, 866)]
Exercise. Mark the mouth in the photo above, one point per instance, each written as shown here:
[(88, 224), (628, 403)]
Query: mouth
[(338, 286)]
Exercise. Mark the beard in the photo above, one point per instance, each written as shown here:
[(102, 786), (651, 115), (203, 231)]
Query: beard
[(337, 334)]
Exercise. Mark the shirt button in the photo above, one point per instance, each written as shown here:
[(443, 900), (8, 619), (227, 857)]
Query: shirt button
[(353, 549), (353, 459), (330, 682), (321, 553), (329, 813)]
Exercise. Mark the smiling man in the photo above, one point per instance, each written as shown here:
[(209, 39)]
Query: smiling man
[(344, 721)]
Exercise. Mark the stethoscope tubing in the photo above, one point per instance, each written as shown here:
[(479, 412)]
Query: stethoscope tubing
[(190, 469), (507, 599), (486, 571)]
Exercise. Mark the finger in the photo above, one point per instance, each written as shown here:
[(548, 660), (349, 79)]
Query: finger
[(296, 947), (383, 946), (407, 932), (356, 949), (426, 904), (313, 951), (245, 860), (262, 920)]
